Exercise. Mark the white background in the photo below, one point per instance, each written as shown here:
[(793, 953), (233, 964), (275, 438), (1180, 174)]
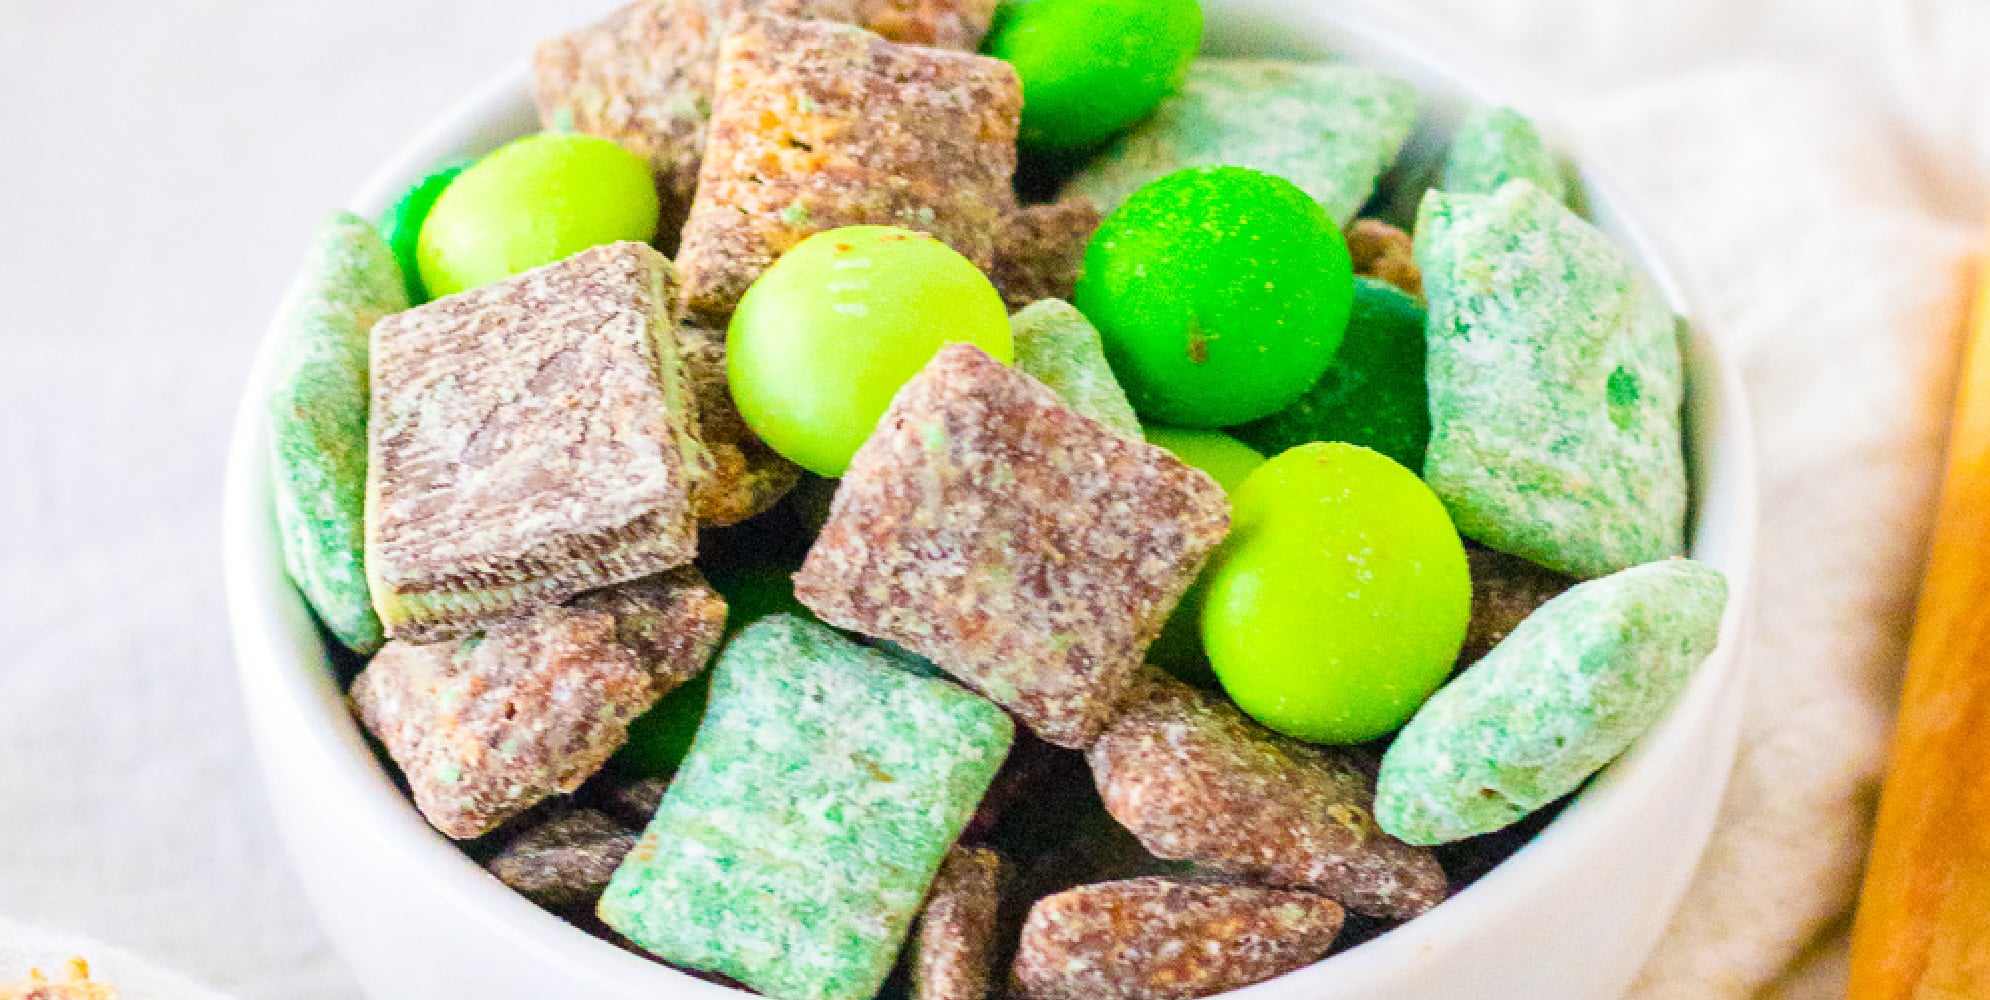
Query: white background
[(1822, 162)]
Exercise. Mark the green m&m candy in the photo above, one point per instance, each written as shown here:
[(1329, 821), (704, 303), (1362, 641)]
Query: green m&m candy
[(537, 201), (401, 224), (823, 341), (1178, 649), (1091, 68), (1339, 602), (1221, 293)]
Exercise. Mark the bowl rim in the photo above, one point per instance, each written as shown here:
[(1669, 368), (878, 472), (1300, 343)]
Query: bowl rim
[(266, 613)]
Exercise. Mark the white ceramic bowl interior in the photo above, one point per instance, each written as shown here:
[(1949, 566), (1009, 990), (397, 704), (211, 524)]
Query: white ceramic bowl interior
[(1570, 916)]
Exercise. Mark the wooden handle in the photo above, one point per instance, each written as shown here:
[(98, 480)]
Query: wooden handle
[(1923, 929)]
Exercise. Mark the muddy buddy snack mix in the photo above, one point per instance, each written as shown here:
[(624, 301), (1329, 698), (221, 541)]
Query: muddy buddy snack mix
[(953, 950), (1197, 781), (564, 862), (803, 832), (1061, 349), (1562, 696), (1039, 249), (1168, 939), (317, 422), (1330, 128), (1255, 528), (747, 477), (530, 441), (1555, 385), (1027, 550), (796, 148)]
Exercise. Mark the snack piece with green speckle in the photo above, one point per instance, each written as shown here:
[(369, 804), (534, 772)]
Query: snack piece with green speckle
[(1196, 781), (799, 839), (1060, 347), (531, 440), (1168, 939), (487, 727), (1029, 551), (796, 147), (953, 954), (317, 414), (1496, 145), (1555, 385), (1374, 395), (563, 863), (1573, 687), (1330, 128), (1039, 249)]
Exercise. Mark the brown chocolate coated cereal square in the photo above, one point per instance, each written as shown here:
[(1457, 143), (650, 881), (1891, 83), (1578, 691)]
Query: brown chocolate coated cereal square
[(484, 728), (1039, 249), (953, 947), (1168, 939), (747, 476), (818, 125), (1505, 590), (1028, 551), (530, 440), (672, 622), (564, 862), (1195, 780)]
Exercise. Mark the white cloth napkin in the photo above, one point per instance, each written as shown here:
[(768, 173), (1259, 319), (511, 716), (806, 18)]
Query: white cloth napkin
[(1820, 163)]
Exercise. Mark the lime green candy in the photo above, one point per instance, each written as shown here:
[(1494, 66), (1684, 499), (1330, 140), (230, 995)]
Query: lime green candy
[(1229, 461), (1222, 294), (1340, 601), (537, 201), (823, 340), (1092, 68), (401, 224)]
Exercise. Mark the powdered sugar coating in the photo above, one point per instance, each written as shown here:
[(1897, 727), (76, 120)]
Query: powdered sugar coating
[(1197, 781), (1505, 590), (818, 125), (1027, 550), (564, 862), (487, 727), (1168, 939), (1059, 347), (529, 441), (672, 622), (953, 949)]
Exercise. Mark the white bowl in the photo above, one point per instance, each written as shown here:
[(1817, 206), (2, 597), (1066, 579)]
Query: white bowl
[(1572, 915)]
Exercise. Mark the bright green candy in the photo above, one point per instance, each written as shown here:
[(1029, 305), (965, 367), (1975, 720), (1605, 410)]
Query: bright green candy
[(1090, 68), (1057, 346), (1229, 461), (401, 225), (1374, 394), (1226, 459), (1340, 600), (796, 845), (823, 340), (537, 201), (1496, 145), (1555, 385), (1569, 691), (659, 738), (1222, 294), (318, 409), (1330, 128)]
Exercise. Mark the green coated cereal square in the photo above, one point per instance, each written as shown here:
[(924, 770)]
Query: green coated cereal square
[(1555, 385), (798, 842), (1330, 128)]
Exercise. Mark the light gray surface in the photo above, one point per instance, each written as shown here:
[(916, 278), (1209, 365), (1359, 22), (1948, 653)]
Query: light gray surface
[(163, 164)]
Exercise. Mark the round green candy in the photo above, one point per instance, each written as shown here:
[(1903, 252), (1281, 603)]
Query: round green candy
[(1091, 68), (1340, 600), (539, 200), (1221, 293), (1374, 395), (1226, 459), (401, 225), (823, 340), (1178, 649)]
